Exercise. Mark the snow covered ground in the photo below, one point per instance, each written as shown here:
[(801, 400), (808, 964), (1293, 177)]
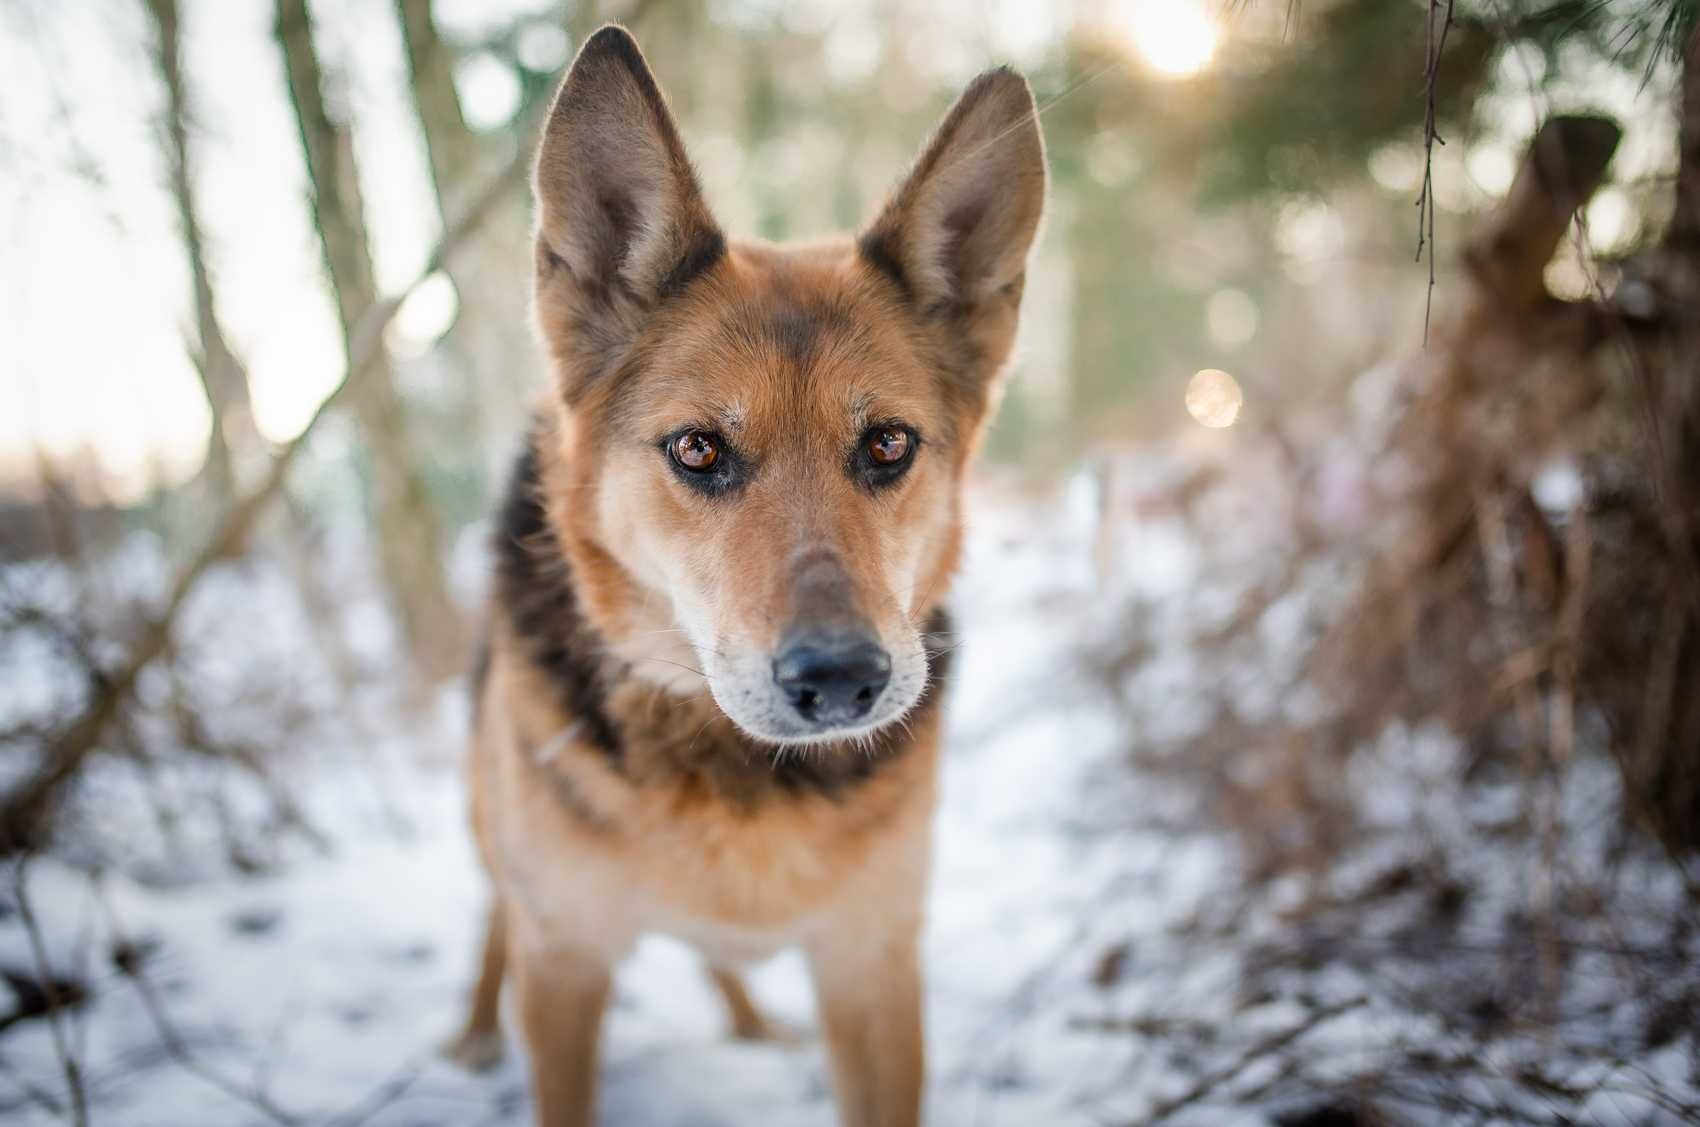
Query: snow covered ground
[(322, 991), (1095, 953)]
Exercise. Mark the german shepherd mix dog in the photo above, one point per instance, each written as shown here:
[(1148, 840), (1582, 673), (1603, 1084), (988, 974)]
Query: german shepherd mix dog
[(708, 702)]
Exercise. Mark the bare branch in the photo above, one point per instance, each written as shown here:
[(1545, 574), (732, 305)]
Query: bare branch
[(1202, 1087), (1431, 137), (176, 1046), (24, 810)]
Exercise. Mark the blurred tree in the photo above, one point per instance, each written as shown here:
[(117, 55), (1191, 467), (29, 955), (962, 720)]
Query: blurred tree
[(1630, 636), (1350, 78), (408, 525), (488, 344), (1651, 661), (1135, 313), (222, 375), (451, 145)]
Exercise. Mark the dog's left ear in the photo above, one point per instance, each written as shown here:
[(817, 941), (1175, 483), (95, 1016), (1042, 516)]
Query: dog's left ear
[(957, 233), (618, 204)]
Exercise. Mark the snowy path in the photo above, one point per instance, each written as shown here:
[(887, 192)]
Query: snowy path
[(327, 988), (1096, 953)]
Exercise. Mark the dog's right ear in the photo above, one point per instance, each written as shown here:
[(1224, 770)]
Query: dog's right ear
[(956, 235), (619, 210)]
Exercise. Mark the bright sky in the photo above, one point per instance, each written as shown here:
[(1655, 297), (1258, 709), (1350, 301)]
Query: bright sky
[(1176, 38), (95, 308), (94, 294)]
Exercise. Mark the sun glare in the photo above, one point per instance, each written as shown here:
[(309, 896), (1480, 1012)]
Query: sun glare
[(1176, 38)]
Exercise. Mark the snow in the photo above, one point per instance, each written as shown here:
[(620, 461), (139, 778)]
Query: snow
[(324, 984), (1097, 945)]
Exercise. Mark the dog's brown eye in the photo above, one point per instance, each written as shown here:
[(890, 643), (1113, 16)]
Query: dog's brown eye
[(888, 445), (695, 451)]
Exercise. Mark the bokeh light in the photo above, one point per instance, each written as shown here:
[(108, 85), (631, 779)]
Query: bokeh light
[(424, 317), (1213, 398), (1230, 317), (489, 90)]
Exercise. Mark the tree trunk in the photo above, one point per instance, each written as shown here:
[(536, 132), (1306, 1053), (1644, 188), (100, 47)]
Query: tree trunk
[(408, 524), (222, 376), (1657, 712), (489, 342), (452, 147), (1685, 222)]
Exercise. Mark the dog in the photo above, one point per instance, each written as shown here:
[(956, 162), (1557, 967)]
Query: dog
[(707, 699)]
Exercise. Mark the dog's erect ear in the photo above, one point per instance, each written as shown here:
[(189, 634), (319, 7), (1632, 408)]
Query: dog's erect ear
[(618, 205), (958, 231)]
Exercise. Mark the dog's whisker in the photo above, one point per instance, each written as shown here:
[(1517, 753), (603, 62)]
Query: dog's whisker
[(674, 664), (693, 744)]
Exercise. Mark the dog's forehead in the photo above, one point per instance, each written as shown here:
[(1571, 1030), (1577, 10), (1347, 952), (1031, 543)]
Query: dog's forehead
[(786, 340)]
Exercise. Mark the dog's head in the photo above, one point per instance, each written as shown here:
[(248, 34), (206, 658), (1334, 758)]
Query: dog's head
[(758, 450)]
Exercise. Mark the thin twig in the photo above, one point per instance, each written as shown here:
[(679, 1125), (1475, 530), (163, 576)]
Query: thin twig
[(177, 1048), (171, 1038), (29, 1093), (44, 970), (1431, 138), (1269, 1046)]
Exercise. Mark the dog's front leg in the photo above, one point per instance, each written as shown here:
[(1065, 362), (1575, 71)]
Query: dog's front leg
[(869, 990), (561, 995)]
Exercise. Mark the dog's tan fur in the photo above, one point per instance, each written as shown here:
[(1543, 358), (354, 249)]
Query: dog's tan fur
[(612, 792)]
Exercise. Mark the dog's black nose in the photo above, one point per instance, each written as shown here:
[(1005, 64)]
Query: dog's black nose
[(832, 680)]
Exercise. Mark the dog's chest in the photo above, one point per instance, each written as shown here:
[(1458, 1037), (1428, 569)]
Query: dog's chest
[(735, 891), (737, 885)]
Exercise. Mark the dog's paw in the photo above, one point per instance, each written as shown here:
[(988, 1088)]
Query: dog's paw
[(476, 1052)]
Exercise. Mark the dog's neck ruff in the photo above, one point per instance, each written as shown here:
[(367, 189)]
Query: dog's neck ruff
[(643, 731)]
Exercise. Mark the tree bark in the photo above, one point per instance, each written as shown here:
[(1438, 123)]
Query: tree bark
[(223, 378), (488, 343), (1660, 716), (1566, 163), (408, 524), (1685, 221), (453, 149)]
